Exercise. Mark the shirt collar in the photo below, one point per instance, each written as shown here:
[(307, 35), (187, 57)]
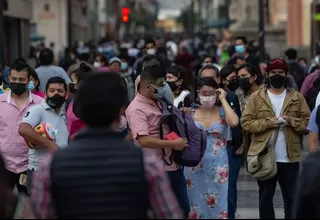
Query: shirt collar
[(7, 97), (45, 105), (141, 98)]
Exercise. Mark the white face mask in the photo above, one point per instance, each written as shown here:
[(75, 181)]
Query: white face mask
[(208, 101), (96, 65), (151, 51)]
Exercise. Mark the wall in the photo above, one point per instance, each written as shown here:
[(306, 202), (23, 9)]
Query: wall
[(21, 9)]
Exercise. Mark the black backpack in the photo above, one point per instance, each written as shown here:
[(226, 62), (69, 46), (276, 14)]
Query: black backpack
[(318, 119)]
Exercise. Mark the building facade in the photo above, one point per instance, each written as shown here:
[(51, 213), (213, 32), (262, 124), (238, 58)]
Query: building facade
[(50, 20), (16, 29)]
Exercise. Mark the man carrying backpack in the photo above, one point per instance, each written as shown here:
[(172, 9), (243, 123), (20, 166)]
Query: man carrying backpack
[(313, 128)]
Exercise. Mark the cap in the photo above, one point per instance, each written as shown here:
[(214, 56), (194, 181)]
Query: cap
[(277, 64), (114, 60)]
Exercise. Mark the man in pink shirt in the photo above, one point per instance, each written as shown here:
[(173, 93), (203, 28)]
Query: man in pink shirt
[(14, 105), (144, 115)]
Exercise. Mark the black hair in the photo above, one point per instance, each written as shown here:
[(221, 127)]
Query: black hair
[(243, 38), (103, 58), (253, 72), (291, 54), (226, 71), (84, 57), (20, 65), (209, 66), (46, 57), (181, 73), (124, 56), (34, 74), (57, 79), (95, 103), (83, 72), (149, 41), (205, 56), (152, 73), (207, 81)]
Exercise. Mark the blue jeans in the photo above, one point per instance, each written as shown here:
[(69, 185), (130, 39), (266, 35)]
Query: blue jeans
[(179, 187), (235, 162)]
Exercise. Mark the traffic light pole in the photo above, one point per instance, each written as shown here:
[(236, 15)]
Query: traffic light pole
[(69, 8), (2, 60), (261, 31)]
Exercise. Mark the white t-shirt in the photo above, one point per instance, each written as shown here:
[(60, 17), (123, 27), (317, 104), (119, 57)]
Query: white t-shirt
[(281, 145), (317, 101)]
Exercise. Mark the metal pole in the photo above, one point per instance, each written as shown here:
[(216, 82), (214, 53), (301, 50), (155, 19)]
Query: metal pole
[(192, 25), (261, 31), (313, 29), (2, 60), (69, 7)]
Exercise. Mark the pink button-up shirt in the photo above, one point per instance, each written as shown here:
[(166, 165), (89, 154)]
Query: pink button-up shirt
[(13, 147), (143, 117)]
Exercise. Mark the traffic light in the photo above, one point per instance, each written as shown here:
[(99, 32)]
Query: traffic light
[(125, 14)]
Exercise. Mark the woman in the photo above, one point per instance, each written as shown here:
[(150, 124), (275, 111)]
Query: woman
[(208, 182), (34, 84), (101, 63), (250, 80), (178, 81), (127, 72)]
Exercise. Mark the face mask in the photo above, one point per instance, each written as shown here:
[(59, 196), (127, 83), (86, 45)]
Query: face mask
[(96, 65), (240, 49), (31, 86), (18, 88), (151, 51), (245, 84), (277, 81), (208, 101), (233, 85), (56, 101), (173, 85), (124, 66), (158, 93)]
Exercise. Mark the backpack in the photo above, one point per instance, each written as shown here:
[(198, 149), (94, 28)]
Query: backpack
[(318, 119), (184, 126)]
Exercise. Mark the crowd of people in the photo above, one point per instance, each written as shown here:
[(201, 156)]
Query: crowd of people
[(90, 138)]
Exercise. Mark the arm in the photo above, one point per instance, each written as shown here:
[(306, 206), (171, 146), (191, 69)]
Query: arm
[(300, 124), (306, 84), (41, 198), (140, 131), (26, 129), (232, 118), (313, 131), (162, 199), (249, 121)]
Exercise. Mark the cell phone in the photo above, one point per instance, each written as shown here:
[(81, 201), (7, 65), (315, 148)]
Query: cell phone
[(172, 136)]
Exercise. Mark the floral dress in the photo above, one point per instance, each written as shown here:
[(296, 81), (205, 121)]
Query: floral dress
[(207, 183)]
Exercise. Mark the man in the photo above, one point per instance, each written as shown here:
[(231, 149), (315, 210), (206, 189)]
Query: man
[(114, 64), (241, 50), (144, 115), (295, 69), (47, 70), (14, 104), (228, 78), (52, 111), (150, 50), (5, 81), (277, 115), (308, 82), (100, 176)]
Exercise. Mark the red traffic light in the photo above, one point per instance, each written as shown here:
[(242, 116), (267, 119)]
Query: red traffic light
[(125, 11), (125, 18)]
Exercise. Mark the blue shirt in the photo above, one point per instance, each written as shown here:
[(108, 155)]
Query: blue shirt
[(312, 126)]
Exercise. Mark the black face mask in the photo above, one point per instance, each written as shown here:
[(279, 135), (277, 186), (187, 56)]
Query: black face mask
[(18, 88), (233, 85), (56, 101), (173, 85), (277, 81), (245, 84)]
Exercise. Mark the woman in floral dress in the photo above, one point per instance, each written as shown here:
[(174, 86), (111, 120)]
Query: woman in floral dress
[(208, 182)]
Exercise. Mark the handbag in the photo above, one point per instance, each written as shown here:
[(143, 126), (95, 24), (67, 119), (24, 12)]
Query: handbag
[(264, 165)]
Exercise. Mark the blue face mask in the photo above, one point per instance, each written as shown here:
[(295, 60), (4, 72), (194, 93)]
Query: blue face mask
[(124, 66), (240, 49), (31, 86)]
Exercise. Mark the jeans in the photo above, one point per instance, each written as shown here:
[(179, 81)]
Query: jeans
[(179, 187), (287, 177), (235, 162)]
